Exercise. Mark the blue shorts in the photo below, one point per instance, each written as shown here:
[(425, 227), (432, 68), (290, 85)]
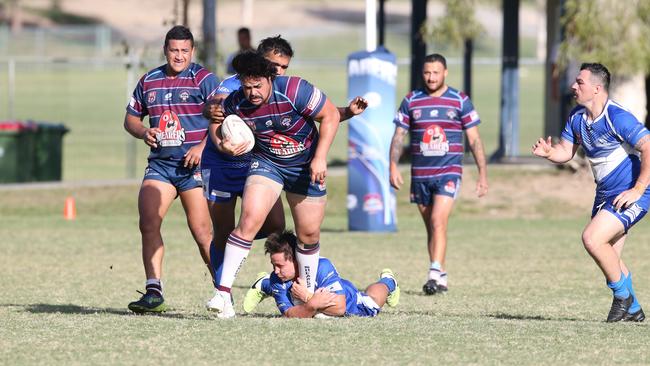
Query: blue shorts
[(293, 179), (174, 173), (628, 216), (366, 306), (422, 192), (223, 184)]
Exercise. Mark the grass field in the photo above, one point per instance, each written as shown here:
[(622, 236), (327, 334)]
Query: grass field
[(522, 289)]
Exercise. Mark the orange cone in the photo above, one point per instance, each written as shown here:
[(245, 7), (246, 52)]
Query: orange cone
[(70, 209)]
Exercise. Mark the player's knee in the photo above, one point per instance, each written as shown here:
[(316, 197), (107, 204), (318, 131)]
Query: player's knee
[(588, 241), (148, 226), (309, 237)]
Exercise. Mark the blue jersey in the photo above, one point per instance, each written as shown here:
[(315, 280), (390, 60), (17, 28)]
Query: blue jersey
[(284, 128), (326, 277), (213, 157), (174, 105), (436, 125), (608, 142)]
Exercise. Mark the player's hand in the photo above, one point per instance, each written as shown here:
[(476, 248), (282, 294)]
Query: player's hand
[(318, 170), (322, 299), (357, 105), (481, 186), (626, 199), (150, 137), (233, 149), (213, 110), (299, 290), (192, 157), (542, 148), (396, 179)]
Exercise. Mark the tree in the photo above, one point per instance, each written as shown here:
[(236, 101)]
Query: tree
[(614, 33), (457, 25)]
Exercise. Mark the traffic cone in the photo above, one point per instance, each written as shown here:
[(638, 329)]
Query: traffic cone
[(69, 209)]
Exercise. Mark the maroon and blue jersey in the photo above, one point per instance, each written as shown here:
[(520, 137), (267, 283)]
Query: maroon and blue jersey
[(284, 128), (174, 105), (436, 126)]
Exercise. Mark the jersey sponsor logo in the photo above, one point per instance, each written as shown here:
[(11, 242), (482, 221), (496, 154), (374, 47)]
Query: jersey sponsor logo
[(184, 95), (151, 96), (451, 114), (417, 114), (372, 203), (315, 99), (171, 132), (433, 113), (268, 123), (285, 147), (450, 187), (286, 121), (434, 142), (168, 96)]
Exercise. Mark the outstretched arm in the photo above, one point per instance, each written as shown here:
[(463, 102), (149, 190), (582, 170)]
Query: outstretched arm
[(476, 145), (560, 153), (396, 146), (356, 107)]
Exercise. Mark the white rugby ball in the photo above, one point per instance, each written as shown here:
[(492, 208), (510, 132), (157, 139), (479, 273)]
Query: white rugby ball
[(237, 131)]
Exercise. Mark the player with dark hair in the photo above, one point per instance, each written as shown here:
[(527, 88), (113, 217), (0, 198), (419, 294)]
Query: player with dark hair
[(437, 115), (612, 139), (230, 168), (172, 95), (333, 295), (245, 44), (290, 154)]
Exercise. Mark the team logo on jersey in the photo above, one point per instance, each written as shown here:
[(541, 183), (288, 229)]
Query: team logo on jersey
[(171, 132), (168, 96), (451, 114), (433, 113), (372, 203), (434, 142), (268, 123), (285, 147), (184, 95), (151, 96), (450, 187), (417, 114), (286, 121)]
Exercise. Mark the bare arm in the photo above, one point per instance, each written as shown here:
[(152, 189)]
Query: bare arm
[(356, 107), (329, 123), (136, 128), (322, 301), (476, 145), (557, 153), (396, 147), (633, 194)]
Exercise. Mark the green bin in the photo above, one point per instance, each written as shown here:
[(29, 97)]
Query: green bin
[(48, 152), (17, 145)]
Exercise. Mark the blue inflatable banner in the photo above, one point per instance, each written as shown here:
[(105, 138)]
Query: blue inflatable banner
[(371, 200)]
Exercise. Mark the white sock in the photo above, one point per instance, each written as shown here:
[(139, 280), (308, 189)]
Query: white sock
[(237, 250), (434, 274), (307, 256)]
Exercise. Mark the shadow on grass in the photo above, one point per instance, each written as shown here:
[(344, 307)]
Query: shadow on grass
[(89, 310), (531, 317)]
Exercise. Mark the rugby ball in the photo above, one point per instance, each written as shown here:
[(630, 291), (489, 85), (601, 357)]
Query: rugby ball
[(237, 131)]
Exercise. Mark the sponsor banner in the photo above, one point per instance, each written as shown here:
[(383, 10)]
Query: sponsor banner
[(371, 200)]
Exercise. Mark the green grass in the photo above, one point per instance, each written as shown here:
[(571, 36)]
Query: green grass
[(522, 290)]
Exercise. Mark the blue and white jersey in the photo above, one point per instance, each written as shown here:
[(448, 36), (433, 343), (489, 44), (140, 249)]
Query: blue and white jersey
[(608, 142), (326, 277), (213, 157)]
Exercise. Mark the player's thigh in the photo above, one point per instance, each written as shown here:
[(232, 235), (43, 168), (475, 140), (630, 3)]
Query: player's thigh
[(307, 212), (196, 210), (442, 207), (275, 220), (603, 228), (260, 194), (154, 199)]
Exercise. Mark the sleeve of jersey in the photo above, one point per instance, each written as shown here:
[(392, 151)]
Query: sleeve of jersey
[(229, 104), (309, 99), (228, 86), (402, 117), (136, 105), (629, 128), (567, 133), (329, 278), (468, 115), (280, 294), (209, 86)]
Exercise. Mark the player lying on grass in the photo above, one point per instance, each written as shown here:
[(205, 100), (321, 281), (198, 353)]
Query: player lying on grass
[(333, 295)]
